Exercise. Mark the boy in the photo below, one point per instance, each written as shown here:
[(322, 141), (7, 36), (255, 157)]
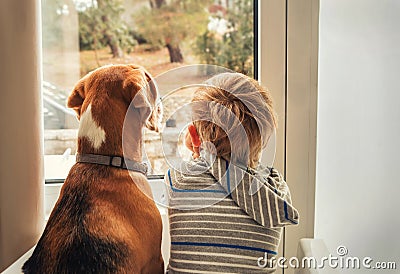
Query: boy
[(225, 210)]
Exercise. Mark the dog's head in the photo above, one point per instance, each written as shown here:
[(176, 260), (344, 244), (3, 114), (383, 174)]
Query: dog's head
[(101, 100)]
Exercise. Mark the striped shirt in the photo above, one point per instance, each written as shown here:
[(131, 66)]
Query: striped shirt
[(224, 218)]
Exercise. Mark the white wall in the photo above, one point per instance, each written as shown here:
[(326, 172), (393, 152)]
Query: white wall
[(358, 136)]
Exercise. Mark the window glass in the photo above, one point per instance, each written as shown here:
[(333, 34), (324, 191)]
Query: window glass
[(81, 35)]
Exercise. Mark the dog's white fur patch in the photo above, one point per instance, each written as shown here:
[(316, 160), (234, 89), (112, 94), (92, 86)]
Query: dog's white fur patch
[(89, 129)]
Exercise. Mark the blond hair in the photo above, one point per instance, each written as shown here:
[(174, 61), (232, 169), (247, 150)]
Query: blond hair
[(232, 102)]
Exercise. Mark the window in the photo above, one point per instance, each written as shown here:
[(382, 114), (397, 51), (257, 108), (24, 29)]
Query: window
[(81, 35)]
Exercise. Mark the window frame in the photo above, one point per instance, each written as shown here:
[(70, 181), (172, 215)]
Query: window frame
[(256, 49)]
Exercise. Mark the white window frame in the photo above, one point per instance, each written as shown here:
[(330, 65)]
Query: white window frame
[(288, 66)]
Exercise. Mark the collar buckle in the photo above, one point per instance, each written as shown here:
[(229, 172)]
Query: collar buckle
[(116, 161)]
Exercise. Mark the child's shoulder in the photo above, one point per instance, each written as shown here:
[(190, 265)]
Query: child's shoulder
[(192, 174)]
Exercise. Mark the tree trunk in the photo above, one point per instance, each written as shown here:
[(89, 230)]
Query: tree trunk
[(111, 41), (175, 54), (114, 46), (156, 3), (116, 51)]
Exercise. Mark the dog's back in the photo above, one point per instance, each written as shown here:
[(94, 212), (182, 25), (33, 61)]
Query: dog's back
[(87, 231), (67, 245)]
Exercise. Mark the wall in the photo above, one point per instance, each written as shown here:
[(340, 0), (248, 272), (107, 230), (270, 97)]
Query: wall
[(358, 129), (21, 160)]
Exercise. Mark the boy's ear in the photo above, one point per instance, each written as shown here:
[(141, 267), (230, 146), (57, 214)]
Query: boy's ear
[(75, 100), (194, 135)]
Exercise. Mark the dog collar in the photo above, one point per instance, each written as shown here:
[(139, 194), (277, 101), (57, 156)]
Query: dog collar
[(114, 161)]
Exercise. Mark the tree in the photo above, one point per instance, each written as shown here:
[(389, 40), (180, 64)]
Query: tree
[(101, 24), (231, 43), (168, 24)]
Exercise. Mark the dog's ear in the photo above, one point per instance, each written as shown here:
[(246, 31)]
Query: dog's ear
[(141, 90), (75, 100), (154, 122)]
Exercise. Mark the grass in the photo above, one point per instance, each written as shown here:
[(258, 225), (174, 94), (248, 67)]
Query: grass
[(155, 62)]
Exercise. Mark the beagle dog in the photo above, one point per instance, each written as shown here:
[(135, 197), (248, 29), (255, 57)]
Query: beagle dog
[(105, 220)]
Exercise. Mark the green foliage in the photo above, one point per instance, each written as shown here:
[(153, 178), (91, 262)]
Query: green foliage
[(90, 29), (233, 49), (172, 23), (208, 47), (101, 24)]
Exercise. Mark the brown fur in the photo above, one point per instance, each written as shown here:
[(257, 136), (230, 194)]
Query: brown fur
[(103, 222)]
